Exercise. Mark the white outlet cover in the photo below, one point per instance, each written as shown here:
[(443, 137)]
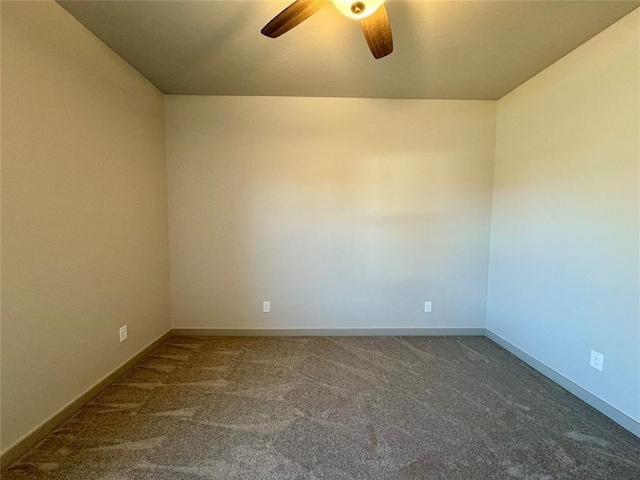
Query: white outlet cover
[(123, 333), (597, 360), (427, 307), (266, 307)]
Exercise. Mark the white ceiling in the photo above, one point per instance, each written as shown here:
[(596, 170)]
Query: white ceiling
[(443, 49)]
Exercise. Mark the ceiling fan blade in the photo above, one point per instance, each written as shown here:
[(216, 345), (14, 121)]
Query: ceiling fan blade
[(291, 16), (377, 32)]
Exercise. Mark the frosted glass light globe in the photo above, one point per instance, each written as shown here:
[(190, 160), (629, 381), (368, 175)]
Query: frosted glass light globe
[(357, 9)]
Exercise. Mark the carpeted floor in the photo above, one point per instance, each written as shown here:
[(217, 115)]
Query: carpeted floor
[(333, 408)]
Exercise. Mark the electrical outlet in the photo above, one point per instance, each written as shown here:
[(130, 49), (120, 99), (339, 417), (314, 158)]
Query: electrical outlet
[(266, 307), (597, 360), (427, 307), (123, 333)]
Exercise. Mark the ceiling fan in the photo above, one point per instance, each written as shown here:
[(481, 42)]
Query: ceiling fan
[(371, 13)]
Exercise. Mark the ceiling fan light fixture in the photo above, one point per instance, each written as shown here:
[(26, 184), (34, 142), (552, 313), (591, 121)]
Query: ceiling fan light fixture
[(357, 9), (371, 14)]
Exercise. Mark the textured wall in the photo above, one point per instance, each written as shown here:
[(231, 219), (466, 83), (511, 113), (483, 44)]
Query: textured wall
[(342, 212), (84, 218), (564, 239)]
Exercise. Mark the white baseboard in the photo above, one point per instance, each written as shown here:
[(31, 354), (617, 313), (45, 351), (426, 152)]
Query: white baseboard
[(326, 332), (589, 398)]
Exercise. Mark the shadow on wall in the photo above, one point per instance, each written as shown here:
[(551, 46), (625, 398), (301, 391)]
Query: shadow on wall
[(337, 236), (336, 218)]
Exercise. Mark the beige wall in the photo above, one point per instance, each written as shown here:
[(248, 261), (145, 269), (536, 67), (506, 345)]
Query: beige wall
[(84, 219), (565, 238), (344, 213)]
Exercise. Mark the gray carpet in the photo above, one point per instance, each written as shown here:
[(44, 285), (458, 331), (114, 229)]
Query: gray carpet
[(333, 408)]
